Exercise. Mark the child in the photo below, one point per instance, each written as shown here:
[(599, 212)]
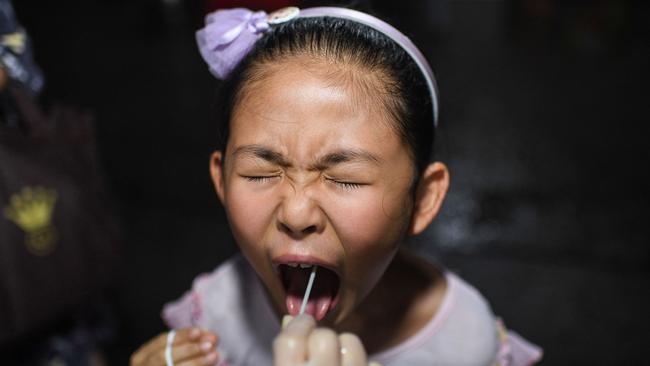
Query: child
[(329, 118)]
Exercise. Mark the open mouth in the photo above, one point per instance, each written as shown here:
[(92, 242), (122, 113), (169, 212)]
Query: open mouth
[(324, 293)]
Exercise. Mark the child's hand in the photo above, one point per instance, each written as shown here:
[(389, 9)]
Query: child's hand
[(191, 347), (301, 343)]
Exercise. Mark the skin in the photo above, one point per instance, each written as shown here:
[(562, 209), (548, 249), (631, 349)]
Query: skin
[(314, 167)]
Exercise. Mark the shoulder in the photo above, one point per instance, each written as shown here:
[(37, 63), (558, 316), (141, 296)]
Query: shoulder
[(470, 327), (210, 292), (462, 332), (470, 305), (477, 335)]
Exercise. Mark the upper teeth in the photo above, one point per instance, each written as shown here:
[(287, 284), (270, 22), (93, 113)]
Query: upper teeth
[(302, 265)]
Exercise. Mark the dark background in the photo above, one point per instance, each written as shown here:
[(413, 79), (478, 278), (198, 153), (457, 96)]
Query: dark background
[(544, 114)]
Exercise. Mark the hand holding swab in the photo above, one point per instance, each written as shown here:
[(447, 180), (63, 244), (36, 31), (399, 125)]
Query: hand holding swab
[(284, 348)]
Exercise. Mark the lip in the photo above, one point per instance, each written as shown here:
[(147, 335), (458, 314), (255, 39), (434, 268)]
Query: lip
[(306, 259)]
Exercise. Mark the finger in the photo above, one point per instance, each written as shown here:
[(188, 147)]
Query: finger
[(154, 350), (290, 346), (352, 351), (323, 348), (182, 336), (187, 335), (374, 363), (208, 336), (286, 320), (146, 351), (207, 360), (192, 350)]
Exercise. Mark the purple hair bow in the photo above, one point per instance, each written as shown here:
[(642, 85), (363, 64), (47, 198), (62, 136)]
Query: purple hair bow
[(228, 36)]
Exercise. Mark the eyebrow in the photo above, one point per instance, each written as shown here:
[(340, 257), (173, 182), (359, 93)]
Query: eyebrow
[(263, 153), (333, 158), (346, 156)]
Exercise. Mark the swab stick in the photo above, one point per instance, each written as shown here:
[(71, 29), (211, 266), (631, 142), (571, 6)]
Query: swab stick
[(305, 298)]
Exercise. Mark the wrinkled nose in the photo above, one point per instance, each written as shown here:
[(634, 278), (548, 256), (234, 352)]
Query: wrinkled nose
[(300, 216)]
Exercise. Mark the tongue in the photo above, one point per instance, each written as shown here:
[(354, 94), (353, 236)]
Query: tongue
[(322, 294)]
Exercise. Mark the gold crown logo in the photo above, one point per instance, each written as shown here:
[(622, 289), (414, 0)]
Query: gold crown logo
[(31, 210), (15, 41)]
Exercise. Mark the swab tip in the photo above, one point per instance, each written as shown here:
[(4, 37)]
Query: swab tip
[(310, 284)]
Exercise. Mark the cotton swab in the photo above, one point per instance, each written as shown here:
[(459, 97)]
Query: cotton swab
[(310, 284)]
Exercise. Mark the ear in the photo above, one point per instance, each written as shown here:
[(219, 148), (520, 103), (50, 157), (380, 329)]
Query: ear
[(216, 172), (429, 194)]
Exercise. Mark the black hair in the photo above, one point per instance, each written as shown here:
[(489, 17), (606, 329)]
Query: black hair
[(405, 94)]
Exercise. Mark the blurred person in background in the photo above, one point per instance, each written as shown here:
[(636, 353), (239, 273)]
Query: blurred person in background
[(58, 237)]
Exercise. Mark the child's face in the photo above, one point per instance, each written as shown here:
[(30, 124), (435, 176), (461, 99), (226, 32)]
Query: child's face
[(314, 173)]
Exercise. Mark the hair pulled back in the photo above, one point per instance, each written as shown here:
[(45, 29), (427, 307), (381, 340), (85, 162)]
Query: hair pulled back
[(405, 94)]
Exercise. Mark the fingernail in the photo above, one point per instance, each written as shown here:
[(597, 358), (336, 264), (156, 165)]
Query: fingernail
[(195, 333), (206, 346), (285, 320)]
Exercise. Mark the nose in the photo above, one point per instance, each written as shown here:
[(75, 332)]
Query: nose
[(299, 215)]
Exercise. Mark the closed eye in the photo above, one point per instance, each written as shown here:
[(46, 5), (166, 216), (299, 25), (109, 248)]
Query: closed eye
[(346, 185), (259, 178)]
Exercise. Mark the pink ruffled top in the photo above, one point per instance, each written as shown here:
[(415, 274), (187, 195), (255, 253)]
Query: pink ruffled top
[(232, 302)]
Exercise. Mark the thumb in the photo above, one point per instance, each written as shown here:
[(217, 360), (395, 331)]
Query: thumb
[(286, 320)]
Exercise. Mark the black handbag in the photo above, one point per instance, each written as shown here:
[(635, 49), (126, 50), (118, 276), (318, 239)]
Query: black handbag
[(59, 239)]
